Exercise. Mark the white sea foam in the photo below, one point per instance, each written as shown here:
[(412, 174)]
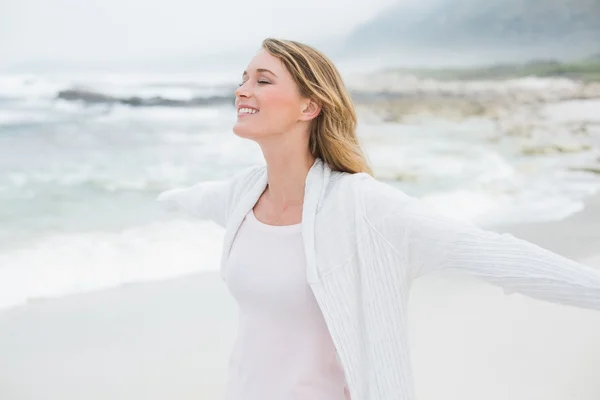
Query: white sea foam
[(574, 111), (60, 264)]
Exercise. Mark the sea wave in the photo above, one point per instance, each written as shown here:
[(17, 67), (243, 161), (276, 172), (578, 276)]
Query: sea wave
[(61, 264), (136, 136)]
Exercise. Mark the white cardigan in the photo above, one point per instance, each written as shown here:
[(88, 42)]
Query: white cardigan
[(365, 242)]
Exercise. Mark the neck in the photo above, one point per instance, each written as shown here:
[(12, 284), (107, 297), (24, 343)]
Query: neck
[(287, 168)]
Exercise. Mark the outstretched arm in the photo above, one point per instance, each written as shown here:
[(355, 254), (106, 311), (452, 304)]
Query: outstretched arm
[(430, 242), (206, 200), (210, 200)]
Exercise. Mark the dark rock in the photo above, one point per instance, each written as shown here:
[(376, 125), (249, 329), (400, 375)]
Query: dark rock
[(90, 97)]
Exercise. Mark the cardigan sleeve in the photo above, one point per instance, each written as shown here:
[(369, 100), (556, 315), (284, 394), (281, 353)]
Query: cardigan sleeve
[(428, 241), (205, 200), (516, 265), (208, 200)]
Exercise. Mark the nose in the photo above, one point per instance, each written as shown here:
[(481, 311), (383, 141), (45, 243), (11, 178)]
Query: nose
[(242, 91)]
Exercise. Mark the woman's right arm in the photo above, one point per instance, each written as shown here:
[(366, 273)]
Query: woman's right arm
[(210, 200)]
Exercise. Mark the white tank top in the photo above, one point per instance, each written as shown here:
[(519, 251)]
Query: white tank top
[(283, 350)]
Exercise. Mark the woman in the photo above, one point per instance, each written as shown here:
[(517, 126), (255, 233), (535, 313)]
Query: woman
[(320, 256)]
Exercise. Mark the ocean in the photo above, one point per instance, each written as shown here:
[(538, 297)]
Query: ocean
[(83, 157)]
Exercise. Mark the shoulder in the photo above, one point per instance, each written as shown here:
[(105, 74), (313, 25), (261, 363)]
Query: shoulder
[(380, 200), (245, 178), (338, 191), (365, 186), (372, 190), (346, 192)]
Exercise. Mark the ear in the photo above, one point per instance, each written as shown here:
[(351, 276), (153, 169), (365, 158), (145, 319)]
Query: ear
[(310, 110)]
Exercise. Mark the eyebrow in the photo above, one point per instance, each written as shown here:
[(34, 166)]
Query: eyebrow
[(261, 70)]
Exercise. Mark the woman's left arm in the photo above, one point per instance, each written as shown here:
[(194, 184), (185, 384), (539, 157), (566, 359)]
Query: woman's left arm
[(428, 241), (500, 258)]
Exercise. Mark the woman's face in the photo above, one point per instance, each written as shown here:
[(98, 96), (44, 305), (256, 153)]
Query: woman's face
[(268, 101)]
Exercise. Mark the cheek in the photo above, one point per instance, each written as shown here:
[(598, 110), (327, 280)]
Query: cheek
[(280, 104)]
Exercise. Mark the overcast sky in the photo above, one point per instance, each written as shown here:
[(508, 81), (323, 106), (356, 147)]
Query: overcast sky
[(120, 30)]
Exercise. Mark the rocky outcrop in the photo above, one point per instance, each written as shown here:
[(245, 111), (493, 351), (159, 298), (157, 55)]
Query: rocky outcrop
[(395, 96), (90, 97)]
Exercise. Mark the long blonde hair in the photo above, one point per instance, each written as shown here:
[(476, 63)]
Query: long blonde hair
[(333, 132)]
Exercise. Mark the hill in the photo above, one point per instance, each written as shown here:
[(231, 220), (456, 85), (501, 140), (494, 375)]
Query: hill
[(552, 28)]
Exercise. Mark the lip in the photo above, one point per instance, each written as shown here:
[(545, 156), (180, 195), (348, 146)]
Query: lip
[(245, 106)]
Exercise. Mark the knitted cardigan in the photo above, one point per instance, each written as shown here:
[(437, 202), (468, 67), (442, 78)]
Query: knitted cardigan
[(365, 242)]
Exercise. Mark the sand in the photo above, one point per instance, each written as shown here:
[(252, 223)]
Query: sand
[(162, 340), (171, 339)]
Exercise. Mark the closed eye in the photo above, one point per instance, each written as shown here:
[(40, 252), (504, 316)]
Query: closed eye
[(263, 82)]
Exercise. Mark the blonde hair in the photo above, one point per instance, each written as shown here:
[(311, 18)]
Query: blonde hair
[(333, 132)]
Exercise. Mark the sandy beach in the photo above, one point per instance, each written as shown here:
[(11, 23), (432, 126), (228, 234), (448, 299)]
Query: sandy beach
[(165, 340), (171, 339)]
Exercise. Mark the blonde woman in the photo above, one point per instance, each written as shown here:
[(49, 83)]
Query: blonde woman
[(320, 256)]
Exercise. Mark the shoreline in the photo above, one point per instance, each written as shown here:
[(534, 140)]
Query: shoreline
[(572, 237)]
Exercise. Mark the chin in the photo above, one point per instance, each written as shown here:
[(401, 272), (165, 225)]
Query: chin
[(244, 131), (249, 131)]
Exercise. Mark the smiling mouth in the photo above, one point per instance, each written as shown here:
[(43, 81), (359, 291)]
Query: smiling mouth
[(247, 111)]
